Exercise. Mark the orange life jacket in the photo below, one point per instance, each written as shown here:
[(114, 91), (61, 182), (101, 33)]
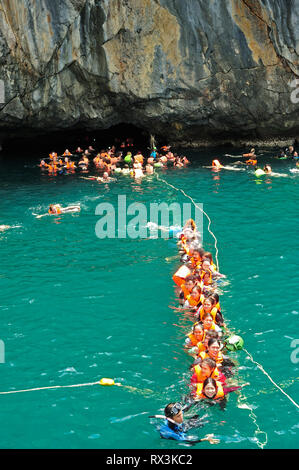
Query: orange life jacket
[(192, 302), (193, 339), (199, 376), (181, 274), (251, 162), (56, 210)]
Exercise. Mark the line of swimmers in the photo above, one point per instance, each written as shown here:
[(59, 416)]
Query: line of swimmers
[(110, 160), (289, 152), (208, 341)]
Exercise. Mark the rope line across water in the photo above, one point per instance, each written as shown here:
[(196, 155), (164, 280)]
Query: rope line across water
[(216, 257)]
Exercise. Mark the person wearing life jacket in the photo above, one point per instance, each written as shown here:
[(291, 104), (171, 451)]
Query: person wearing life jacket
[(195, 337), (207, 368), (213, 351), (53, 155), (55, 209), (205, 266), (196, 258), (206, 307), (251, 161), (139, 158), (207, 286), (216, 164), (209, 256), (216, 305), (190, 224), (251, 154), (208, 334), (195, 298), (175, 428), (187, 286), (209, 324), (211, 267), (214, 390), (181, 274), (210, 388), (66, 153), (97, 159), (42, 164)]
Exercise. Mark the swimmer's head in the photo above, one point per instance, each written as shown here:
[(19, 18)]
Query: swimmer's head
[(207, 366), (174, 411), (209, 388)]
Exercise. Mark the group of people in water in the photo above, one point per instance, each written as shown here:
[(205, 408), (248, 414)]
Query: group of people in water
[(108, 163), (126, 160), (208, 341), (112, 160), (288, 153)]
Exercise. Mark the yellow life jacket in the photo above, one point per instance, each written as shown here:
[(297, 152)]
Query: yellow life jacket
[(192, 302), (205, 354), (213, 312)]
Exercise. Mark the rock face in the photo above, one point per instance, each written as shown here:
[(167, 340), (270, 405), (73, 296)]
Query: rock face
[(191, 70)]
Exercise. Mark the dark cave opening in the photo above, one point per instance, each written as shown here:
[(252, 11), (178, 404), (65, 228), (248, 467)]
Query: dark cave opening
[(40, 142)]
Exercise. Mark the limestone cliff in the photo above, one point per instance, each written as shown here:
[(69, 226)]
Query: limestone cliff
[(191, 70)]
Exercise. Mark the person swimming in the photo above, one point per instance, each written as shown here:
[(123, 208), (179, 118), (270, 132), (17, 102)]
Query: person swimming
[(57, 209), (175, 428), (267, 169)]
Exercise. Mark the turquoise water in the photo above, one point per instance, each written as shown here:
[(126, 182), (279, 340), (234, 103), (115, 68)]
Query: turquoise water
[(75, 308)]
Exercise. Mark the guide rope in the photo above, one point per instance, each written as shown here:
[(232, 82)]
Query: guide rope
[(198, 207)]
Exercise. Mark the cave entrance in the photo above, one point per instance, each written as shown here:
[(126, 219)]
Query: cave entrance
[(29, 141), (123, 136)]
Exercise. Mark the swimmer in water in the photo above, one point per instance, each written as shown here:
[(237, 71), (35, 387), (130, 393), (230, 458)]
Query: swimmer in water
[(175, 428), (251, 154), (137, 170), (149, 169), (101, 179), (267, 169), (7, 227), (57, 209)]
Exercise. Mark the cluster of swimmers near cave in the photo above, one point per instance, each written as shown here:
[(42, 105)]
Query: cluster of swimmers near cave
[(124, 159), (207, 342), (108, 162)]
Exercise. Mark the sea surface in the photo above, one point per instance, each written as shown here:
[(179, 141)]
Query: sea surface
[(75, 308)]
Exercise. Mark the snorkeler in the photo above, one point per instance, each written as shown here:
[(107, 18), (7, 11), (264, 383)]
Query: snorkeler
[(175, 428)]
